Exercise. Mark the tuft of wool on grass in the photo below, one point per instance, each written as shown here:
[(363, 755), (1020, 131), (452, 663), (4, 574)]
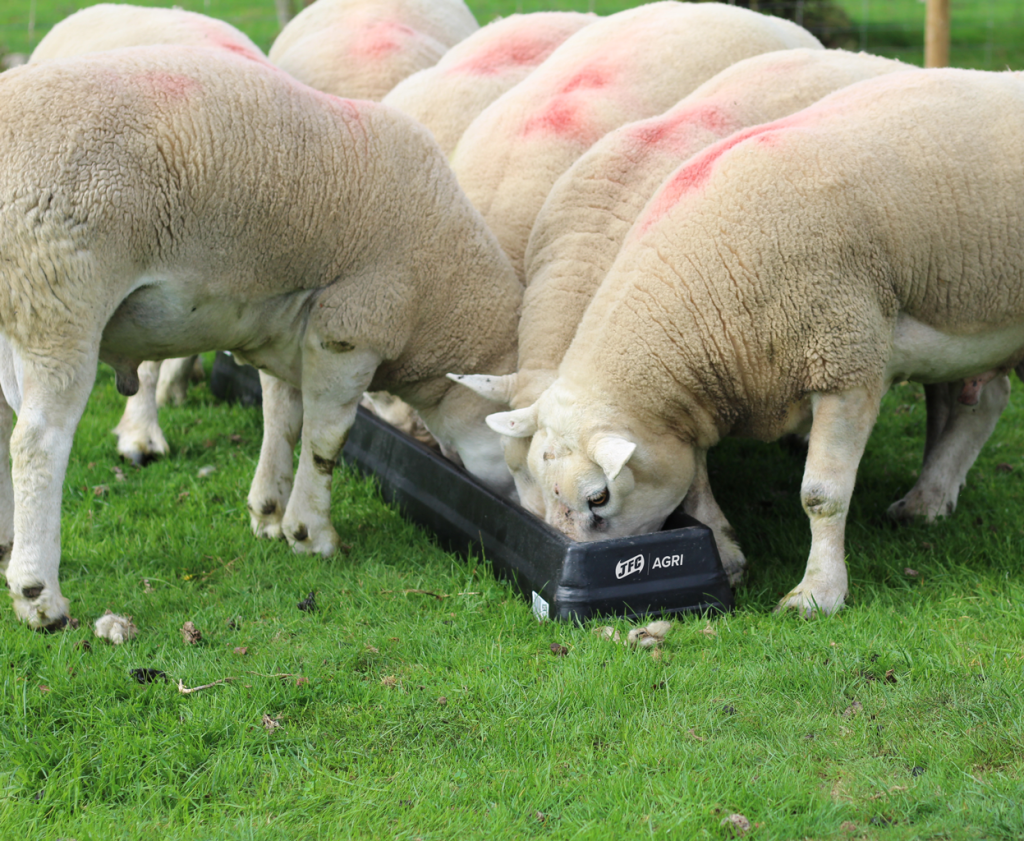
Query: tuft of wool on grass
[(115, 628)]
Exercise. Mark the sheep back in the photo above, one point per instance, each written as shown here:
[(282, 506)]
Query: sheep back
[(363, 48), (621, 68), (779, 261), (108, 26), (447, 97), (585, 218)]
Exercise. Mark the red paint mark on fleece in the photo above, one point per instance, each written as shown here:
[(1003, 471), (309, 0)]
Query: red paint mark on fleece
[(590, 78), (524, 51), (173, 86), (675, 127), (382, 39), (558, 117), (241, 50), (564, 113), (693, 174)]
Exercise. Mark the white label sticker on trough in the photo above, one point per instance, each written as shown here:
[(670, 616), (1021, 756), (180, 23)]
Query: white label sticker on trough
[(668, 561), (630, 566), (541, 609)]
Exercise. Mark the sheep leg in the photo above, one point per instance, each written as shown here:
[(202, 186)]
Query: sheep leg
[(175, 375), (40, 447), (839, 433), (333, 382), (272, 484), (401, 416), (139, 437), (700, 504), (6, 486), (953, 449), (939, 399)]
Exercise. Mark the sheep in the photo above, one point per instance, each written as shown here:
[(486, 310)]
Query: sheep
[(781, 280), (471, 75), (627, 66), (164, 201), (363, 48), (588, 212), (109, 26)]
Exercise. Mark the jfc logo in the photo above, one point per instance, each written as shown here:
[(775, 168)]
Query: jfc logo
[(629, 567)]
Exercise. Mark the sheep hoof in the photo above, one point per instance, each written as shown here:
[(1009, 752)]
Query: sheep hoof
[(733, 562), (268, 529), (810, 603), (142, 451), (47, 611), (324, 541), (918, 507), (734, 574), (139, 459)]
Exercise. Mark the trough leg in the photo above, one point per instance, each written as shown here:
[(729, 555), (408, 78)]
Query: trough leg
[(272, 484), (139, 437), (840, 430), (951, 450), (40, 447), (333, 382)]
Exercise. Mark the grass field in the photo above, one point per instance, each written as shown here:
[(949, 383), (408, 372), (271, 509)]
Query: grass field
[(422, 700)]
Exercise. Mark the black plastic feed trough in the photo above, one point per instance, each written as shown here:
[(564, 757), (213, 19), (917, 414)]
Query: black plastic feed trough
[(675, 570)]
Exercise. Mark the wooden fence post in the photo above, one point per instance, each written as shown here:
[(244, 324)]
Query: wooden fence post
[(284, 12), (936, 34)]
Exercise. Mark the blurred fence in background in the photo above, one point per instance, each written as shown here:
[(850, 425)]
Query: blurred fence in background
[(986, 34)]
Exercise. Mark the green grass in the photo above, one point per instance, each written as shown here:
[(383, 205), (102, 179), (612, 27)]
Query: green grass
[(900, 717)]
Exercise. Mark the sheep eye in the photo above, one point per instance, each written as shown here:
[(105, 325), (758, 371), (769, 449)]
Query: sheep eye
[(599, 499)]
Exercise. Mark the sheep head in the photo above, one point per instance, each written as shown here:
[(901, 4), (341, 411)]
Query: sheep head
[(593, 474)]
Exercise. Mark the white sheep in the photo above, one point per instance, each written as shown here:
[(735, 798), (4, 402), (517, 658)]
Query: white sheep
[(363, 48), (585, 218), (164, 201), (785, 277), (621, 68), (110, 26), (447, 97)]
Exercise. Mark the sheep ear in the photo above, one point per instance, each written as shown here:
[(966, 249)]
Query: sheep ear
[(611, 454), (498, 389), (521, 423)]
